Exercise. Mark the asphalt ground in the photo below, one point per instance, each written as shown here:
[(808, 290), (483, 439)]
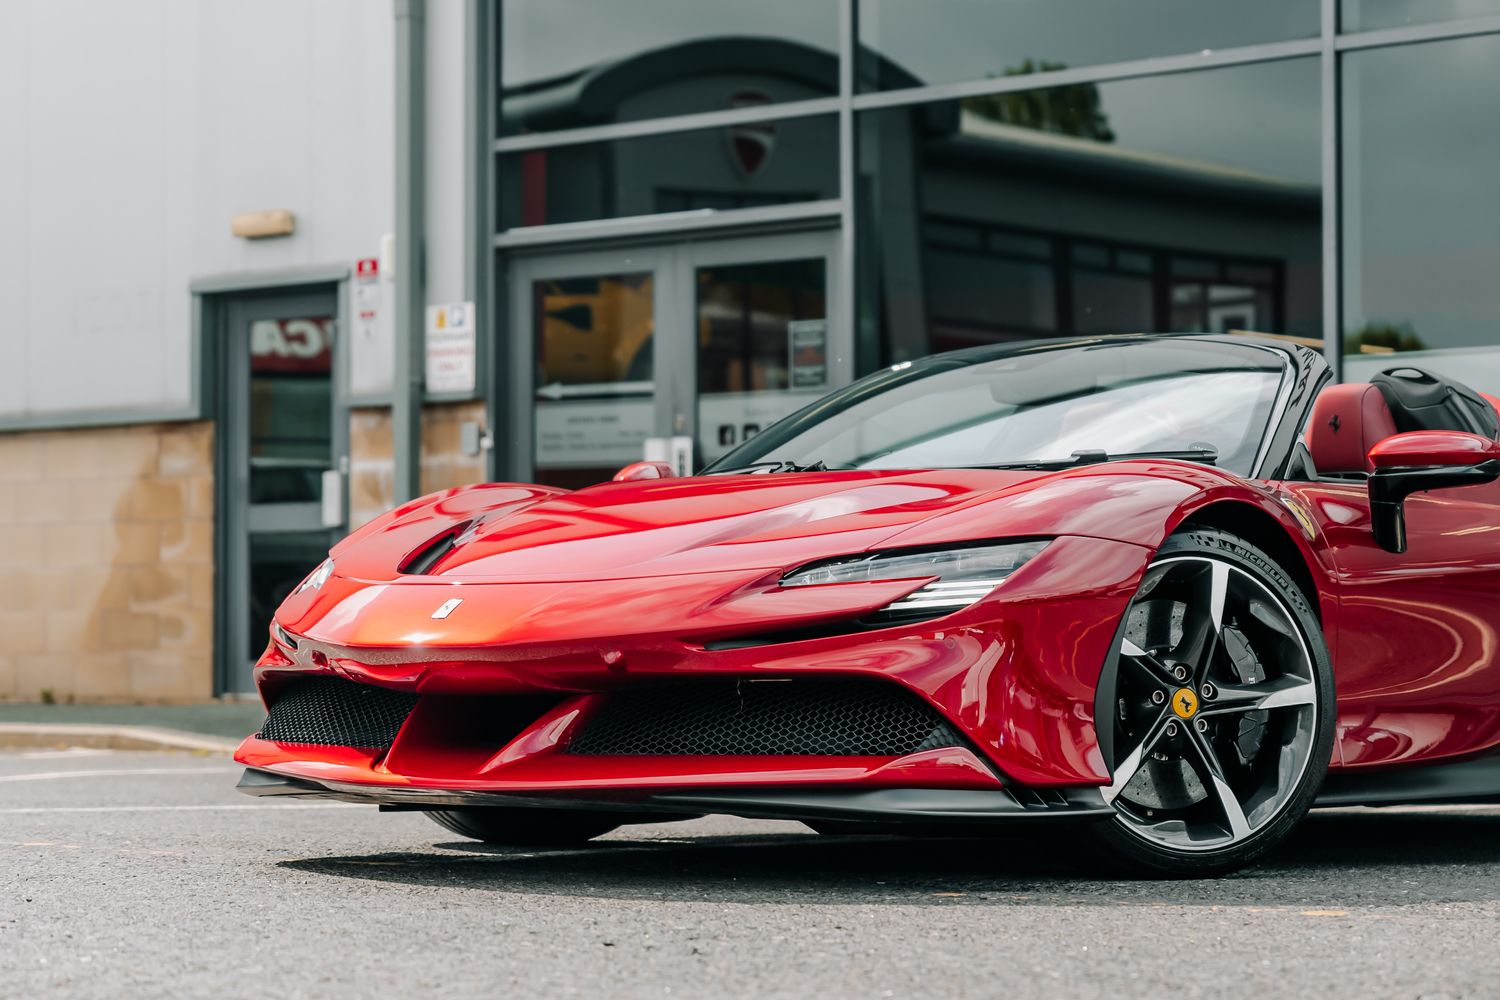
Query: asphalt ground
[(146, 875)]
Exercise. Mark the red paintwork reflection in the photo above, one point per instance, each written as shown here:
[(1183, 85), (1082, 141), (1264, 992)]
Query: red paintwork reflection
[(1416, 654), (1419, 448)]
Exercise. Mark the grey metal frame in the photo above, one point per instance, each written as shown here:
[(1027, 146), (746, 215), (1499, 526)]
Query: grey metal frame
[(1327, 46)]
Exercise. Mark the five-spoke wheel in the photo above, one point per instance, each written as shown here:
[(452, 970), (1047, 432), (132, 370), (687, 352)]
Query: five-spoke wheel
[(1220, 721)]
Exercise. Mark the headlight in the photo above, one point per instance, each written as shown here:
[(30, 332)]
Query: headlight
[(963, 575), (317, 577)]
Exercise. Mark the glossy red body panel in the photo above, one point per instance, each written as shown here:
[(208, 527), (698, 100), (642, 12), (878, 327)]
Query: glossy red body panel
[(1417, 641), (631, 583), (1422, 448)]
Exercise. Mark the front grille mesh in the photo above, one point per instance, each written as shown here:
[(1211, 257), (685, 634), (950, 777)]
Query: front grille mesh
[(332, 711), (799, 717)]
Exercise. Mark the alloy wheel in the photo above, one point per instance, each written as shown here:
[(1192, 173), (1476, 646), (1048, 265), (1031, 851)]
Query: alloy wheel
[(1216, 706)]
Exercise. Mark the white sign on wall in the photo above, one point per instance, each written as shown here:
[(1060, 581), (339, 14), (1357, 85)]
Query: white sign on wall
[(451, 361), (593, 432), (372, 340)]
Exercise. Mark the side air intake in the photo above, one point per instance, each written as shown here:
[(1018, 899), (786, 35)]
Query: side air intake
[(332, 711)]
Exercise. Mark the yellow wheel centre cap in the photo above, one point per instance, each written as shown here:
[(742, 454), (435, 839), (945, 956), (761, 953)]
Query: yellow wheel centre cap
[(1184, 703)]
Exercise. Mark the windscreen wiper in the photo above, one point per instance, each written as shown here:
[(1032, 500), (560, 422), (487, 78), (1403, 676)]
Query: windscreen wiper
[(1205, 455), (782, 466)]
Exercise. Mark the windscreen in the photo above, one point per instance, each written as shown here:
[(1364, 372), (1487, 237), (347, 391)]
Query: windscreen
[(1039, 406)]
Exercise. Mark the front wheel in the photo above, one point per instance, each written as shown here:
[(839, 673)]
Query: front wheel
[(1222, 716), (525, 827)]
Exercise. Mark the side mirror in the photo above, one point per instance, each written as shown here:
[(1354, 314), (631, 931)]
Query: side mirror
[(1418, 461), (644, 470)]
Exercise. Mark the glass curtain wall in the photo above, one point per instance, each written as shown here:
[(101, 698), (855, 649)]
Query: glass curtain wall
[(1034, 168)]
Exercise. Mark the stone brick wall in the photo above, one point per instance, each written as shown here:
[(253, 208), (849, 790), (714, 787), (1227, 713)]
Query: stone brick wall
[(106, 563), (372, 465)]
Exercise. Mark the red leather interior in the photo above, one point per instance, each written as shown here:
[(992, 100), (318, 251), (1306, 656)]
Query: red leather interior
[(1346, 422)]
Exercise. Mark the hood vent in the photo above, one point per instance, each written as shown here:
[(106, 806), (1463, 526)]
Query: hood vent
[(422, 561)]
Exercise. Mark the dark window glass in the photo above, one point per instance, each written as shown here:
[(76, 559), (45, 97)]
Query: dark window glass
[(572, 63), (1423, 208), (279, 560), (741, 166), (762, 347), (906, 43), (291, 408), (1181, 203), (1369, 15)]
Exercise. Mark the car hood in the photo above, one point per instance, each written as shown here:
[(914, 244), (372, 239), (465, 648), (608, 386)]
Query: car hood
[(504, 533)]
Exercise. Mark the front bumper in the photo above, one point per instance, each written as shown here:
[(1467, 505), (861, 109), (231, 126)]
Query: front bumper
[(1014, 675)]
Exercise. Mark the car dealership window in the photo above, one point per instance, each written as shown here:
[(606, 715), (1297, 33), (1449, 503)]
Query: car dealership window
[(1420, 230), (572, 63), (1001, 169), (1370, 15), (1189, 202), (907, 43), (748, 166)]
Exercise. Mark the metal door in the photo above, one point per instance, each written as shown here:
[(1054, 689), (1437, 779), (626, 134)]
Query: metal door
[(282, 452)]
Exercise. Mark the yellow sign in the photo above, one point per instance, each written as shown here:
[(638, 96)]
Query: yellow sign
[(1184, 703)]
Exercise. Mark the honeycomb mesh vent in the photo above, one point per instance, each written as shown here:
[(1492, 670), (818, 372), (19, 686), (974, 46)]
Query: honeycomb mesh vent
[(813, 717), (332, 711)]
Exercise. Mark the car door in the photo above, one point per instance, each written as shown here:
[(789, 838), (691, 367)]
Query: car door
[(1415, 644)]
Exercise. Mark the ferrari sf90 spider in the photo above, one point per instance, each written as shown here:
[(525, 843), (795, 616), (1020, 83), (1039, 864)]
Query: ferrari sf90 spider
[(1171, 591)]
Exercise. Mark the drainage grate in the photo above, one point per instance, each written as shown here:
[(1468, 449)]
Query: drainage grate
[(840, 717), (332, 711)]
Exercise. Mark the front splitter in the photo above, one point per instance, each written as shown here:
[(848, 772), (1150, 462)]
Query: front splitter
[(916, 806)]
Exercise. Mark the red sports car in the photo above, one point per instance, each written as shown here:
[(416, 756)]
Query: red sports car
[(1171, 590)]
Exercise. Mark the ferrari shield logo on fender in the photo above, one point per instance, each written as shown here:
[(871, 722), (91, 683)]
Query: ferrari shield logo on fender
[(447, 607), (1184, 702)]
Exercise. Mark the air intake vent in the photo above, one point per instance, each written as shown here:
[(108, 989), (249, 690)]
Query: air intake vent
[(795, 717), (424, 560), (332, 711)]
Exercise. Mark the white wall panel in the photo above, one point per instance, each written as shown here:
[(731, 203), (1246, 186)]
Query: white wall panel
[(132, 132)]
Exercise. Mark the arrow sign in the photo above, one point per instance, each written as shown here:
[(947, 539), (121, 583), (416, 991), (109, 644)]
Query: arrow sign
[(593, 389)]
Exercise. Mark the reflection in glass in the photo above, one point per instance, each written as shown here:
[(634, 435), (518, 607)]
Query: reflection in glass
[(571, 63), (740, 166), (762, 347), (279, 560), (994, 407), (908, 43), (1189, 202), (595, 404), (1420, 250), (1370, 15), (291, 412)]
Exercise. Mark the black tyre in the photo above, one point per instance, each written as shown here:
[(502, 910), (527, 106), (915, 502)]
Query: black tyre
[(525, 827), (1222, 721)]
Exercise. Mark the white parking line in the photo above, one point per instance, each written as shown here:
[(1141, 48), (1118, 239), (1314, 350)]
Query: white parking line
[(70, 752), (121, 772), (31, 810)]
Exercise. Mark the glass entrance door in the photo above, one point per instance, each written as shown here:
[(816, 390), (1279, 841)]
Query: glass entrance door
[(283, 495), (702, 343), (767, 343), (587, 328)]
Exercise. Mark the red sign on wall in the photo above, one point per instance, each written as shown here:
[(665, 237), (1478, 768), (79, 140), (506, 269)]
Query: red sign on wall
[(303, 345)]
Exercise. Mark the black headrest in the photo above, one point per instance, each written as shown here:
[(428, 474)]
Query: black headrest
[(1421, 400)]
